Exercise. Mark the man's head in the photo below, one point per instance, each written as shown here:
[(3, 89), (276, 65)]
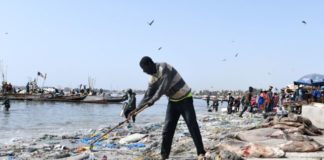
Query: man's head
[(250, 89), (129, 91), (148, 65), (270, 88)]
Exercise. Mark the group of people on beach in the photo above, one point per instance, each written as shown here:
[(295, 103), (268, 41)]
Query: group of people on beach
[(6, 88), (233, 104), (262, 101), (266, 100), (307, 94)]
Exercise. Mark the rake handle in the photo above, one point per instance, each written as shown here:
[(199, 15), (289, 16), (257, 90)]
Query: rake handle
[(119, 124)]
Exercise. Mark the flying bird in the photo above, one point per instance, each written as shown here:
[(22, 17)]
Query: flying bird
[(6, 32), (150, 23), (304, 22), (236, 54), (159, 48), (224, 60), (269, 73)]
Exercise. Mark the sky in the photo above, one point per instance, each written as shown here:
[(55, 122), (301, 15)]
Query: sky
[(76, 39)]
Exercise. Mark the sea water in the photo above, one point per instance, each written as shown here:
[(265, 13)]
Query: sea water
[(28, 119)]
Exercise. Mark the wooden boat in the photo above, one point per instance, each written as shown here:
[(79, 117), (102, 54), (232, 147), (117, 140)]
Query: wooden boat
[(116, 99), (70, 98), (24, 96), (44, 97), (95, 99), (104, 99)]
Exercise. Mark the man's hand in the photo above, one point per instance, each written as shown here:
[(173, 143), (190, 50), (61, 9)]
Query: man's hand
[(132, 113), (150, 104)]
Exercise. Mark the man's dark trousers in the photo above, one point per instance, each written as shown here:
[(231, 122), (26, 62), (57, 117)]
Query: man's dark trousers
[(175, 109)]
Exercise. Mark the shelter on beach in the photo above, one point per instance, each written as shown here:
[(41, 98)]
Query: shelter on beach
[(311, 80)]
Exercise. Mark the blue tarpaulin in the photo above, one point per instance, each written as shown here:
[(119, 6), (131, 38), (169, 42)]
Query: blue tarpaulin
[(311, 80), (135, 145)]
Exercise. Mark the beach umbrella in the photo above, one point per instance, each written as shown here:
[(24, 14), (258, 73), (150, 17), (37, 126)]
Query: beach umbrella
[(311, 80)]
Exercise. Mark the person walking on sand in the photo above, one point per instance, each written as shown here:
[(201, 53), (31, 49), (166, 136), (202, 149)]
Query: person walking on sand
[(165, 80), (266, 101), (261, 102), (237, 103), (207, 100), (270, 96), (230, 103), (215, 104), (130, 105), (247, 101)]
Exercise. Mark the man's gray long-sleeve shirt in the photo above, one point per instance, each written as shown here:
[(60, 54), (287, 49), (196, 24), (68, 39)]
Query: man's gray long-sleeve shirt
[(167, 81)]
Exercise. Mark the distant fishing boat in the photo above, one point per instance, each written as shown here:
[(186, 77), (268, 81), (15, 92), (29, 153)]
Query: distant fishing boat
[(44, 97), (24, 96), (69, 98), (103, 99)]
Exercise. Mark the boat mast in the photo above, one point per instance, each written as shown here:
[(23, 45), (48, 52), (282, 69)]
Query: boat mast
[(3, 71), (91, 83)]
